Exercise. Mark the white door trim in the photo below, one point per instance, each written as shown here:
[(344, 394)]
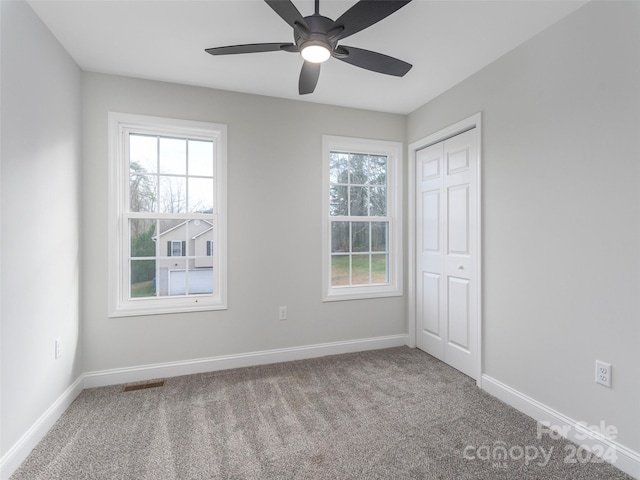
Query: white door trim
[(474, 121)]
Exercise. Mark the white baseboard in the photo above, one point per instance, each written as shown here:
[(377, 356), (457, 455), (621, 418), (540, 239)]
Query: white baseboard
[(625, 459), (11, 460), (173, 369)]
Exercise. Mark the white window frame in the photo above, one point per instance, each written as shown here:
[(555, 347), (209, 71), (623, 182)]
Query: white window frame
[(393, 151), (120, 305)]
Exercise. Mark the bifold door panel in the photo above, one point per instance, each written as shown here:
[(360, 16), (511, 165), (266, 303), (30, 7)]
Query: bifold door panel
[(446, 271)]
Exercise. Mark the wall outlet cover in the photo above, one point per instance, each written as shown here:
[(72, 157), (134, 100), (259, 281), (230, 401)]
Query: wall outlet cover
[(603, 373)]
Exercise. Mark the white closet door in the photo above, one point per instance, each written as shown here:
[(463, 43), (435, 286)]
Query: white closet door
[(446, 230)]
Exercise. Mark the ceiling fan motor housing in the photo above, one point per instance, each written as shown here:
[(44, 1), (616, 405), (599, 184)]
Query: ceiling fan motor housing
[(317, 35)]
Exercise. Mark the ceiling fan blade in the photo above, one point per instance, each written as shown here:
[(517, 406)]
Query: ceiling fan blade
[(366, 13), (374, 61), (252, 48), (308, 77), (288, 12)]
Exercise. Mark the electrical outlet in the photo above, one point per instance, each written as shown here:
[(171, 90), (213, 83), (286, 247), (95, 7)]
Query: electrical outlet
[(283, 313), (603, 373), (58, 346)]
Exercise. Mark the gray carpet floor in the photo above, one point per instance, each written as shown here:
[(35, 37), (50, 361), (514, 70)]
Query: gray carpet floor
[(388, 414)]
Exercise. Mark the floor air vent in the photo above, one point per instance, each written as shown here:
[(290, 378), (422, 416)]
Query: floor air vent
[(143, 386)]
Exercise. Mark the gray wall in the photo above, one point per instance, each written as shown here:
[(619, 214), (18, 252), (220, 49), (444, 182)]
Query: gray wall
[(40, 264), (561, 212), (274, 197)]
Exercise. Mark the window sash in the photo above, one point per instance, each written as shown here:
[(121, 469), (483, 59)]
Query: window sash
[(183, 251), (370, 251)]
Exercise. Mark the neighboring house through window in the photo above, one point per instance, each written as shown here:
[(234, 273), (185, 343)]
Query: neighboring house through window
[(362, 237), (168, 211)]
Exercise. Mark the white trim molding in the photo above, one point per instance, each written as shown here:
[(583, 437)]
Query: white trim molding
[(11, 460), (202, 365), (595, 441)]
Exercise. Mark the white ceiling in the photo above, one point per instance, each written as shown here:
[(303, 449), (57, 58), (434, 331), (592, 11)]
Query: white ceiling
[(446, 41)]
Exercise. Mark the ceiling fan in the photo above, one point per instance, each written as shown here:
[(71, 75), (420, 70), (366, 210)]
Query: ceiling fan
[(316, 39)]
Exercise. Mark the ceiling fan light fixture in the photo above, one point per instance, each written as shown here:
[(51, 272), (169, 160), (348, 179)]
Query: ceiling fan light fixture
[(315, 52)]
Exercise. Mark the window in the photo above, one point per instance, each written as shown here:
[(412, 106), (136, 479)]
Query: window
[(167, 190), (175, 249), (362, 241)]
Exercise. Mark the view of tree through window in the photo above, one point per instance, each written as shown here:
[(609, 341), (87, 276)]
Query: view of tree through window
[(171, 215), (359, 221)]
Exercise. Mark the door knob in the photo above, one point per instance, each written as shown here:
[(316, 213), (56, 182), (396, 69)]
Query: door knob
[(460, 267)]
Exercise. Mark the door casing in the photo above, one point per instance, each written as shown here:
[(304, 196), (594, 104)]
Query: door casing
[(472, 122)]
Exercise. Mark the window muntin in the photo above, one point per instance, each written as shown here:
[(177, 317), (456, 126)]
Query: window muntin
[(168, 184), (361, 198)]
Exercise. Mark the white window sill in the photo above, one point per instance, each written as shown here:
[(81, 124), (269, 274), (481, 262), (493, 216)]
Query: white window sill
[(360, 293), (159, 307)]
